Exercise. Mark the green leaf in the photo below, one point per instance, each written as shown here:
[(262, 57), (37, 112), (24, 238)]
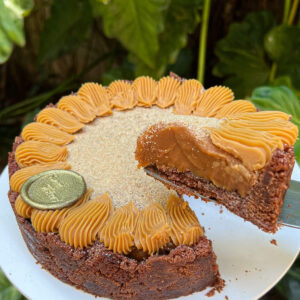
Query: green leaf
[(241, 54), (136, 24), (5, 47), (279, 98), (7, 291), (21, 8), (181, 19), (68, 26)]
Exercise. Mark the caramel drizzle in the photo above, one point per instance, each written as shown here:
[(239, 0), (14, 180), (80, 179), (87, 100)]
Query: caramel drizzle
[(234, 108), (59, 118), (122, 95), (81, 226), (167, 88), (50, 220), (33, 152), (96, 95), (45, 133), (81, 110), (187, 97), (152, 229), (20, 176), (212, 100), (185, 227), (145, 90), (22, 208), (118, 232)]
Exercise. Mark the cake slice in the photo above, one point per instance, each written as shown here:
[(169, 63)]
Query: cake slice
[(245, 161)]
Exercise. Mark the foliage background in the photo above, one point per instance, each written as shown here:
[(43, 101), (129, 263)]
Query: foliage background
[(49, 47)]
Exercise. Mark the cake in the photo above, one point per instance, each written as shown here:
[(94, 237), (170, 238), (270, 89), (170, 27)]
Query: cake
[(127, 235)]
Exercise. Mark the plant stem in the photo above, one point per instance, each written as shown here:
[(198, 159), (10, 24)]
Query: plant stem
[(202, 40), (273, 72), (293, 12), (287, 6)]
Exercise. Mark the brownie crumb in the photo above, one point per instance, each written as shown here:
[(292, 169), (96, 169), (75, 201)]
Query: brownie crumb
[(211, 293), (274, 242), (226, 297)]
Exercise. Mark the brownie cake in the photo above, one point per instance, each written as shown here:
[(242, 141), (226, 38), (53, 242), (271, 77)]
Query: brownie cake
[(127, 236)]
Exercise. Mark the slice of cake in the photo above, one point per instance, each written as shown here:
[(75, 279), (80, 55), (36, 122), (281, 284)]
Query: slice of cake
[(244, 161)]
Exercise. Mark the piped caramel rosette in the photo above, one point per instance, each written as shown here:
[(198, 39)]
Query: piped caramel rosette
[(95, 132)]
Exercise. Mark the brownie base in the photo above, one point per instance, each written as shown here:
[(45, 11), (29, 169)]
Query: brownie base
[(262, 204), (99, 271)]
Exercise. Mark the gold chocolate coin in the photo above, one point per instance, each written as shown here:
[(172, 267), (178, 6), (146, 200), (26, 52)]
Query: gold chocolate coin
[(53, 189)]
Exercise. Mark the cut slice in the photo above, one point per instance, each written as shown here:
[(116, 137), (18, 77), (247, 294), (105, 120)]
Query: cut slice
[(187, 156)]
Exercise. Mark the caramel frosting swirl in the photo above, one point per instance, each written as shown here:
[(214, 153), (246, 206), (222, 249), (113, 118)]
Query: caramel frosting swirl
[(167, 91), (50, 220), (118, 232), (22, 208), (75, 106), (97, 96), (33, 152), (185, 227), (234, 108), (212, 100), (36, 131), (81, 226), (122, 95), (187, 97), (145, 90), (152, 229), (19, 177), (261, 116), (59, 118)]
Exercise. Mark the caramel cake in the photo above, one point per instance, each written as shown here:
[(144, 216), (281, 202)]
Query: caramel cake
[(119, 233)]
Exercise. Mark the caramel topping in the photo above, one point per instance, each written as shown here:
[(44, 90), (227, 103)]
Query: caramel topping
[(212, 100), (166, 91), (78, 108), (122, 95), (59, 118), (22, 208), (81, 226), (118, 232), (20, 176), (261, 116), (46, 133), (50, 220), (32, 153), (145, 90), (187, 97), (234, 108), (253, 148), (185, 227), (152, 229), (96, 95)]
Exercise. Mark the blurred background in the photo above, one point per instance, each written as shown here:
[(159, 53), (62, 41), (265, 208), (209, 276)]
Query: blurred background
[(48, 48)]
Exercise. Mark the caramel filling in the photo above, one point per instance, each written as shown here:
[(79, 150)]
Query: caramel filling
[(18, 178), (32, 152), (145, 90), (122, 96), (167, 91), (187, 97), (234, 108), (83, 223), (152, 229), (175, 146), (96, 95), (185, 227), (59, 118), (45, 133), (75, 106), (118, 232)]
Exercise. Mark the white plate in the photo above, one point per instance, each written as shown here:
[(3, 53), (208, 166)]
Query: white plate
[(248, 262)]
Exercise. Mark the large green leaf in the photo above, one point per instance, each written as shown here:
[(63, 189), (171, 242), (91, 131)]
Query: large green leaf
[(21, 8), (136, 24), (279, 98), (181, 19), (68, 26), (5, 46), (7, 291), (242, 56)]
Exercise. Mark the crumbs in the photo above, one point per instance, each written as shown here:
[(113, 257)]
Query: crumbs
[(274, 242)]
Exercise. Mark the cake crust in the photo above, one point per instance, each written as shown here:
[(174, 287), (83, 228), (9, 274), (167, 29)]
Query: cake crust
[(101, 272)]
